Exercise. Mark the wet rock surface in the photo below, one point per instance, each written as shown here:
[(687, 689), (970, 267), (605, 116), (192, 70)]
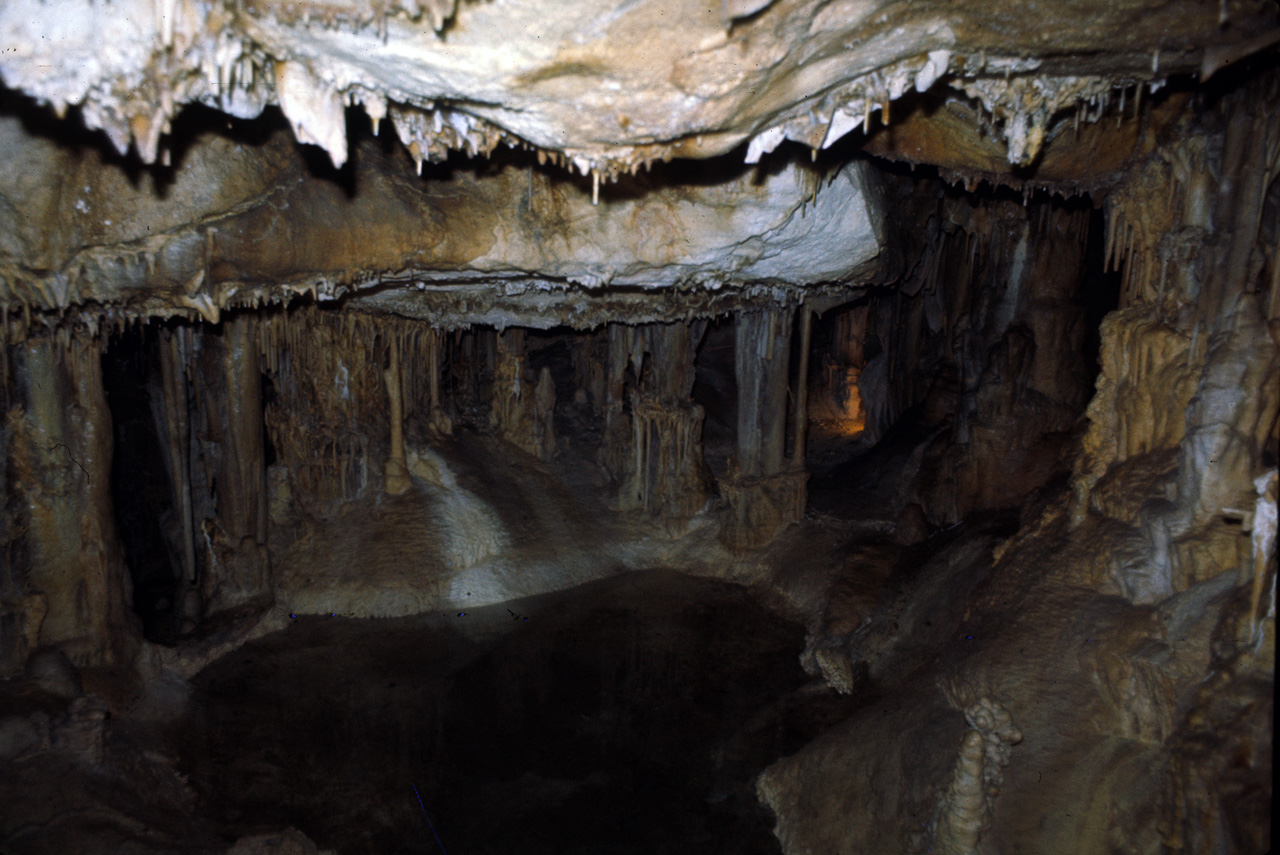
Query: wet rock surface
[(628, 715)]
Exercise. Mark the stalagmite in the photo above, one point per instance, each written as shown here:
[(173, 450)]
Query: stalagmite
[(964, 812), (396, 479)]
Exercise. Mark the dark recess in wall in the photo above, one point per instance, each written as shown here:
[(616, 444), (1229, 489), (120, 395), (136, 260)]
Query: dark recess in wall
[(140, 489), (1100, 290)]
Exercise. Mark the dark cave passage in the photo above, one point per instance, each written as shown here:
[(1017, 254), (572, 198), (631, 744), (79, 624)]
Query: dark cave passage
[(625, 716), (140, 486), (716, 390), (646, 446)]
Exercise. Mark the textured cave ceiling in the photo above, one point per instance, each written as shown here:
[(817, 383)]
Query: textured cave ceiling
[(560, 294), (608, 86), (594, 91)]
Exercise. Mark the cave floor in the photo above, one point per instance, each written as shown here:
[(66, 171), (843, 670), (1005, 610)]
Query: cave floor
[(626, 715)]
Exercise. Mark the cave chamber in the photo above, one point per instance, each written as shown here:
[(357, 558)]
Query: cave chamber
[(496, 427)]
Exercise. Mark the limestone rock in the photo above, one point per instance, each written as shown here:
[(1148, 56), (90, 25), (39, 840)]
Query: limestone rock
[(82, 729), (291, 841), (19, 737), (606, 86), (53, 672), (481, 247)]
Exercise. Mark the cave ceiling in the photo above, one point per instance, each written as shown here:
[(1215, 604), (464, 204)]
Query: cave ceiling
[(582, 221)]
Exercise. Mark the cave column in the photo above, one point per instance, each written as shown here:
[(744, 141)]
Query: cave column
[(763, 491), (615, 450), (244, 497), (762, 342), (667, 476), (397, 471), (590, 368), (801, 426), (508, 383), (174, 353), (228, 379), (522, 412), (78, 587)]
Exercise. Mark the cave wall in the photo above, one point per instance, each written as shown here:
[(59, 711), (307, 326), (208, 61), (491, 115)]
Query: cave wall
[(983, 351), (246, 218), (1185, 415), (1158, 553), (65, 582), (1101, 680)]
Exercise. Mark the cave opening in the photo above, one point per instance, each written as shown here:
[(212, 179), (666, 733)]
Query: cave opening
[(399, 469), (141, 487), (715, 389)]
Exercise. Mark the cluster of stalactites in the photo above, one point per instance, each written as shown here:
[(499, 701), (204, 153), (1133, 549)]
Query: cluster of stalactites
[(353, 16), (328, 372), (1018, 104), (1160, 225), (32, 300), (205, 55)]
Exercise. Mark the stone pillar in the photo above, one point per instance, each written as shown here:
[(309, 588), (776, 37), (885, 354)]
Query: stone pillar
[(615, 449), (523, 413), (175, 350), (665, 474), (242, 503), (762, 350), (801, 415), (397, 472), (227, 374), (763, 492), (590, 352), (508, 384), (78, 587), (438, 421)]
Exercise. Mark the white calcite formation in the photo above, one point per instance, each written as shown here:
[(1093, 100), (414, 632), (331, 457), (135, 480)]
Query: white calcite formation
[(783, 227), (965, 810), (492, 246), (603, 87)]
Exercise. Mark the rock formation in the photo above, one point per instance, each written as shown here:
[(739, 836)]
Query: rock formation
[(955, 344)]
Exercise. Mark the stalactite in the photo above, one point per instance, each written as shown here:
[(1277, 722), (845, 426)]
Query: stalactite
[(438, 421), (522, 409), (659, 461), (801, 413), (330, 399)]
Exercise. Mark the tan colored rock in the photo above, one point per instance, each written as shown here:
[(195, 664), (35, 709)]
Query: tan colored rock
[(291, 841), (494, 247), (605, 86)]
